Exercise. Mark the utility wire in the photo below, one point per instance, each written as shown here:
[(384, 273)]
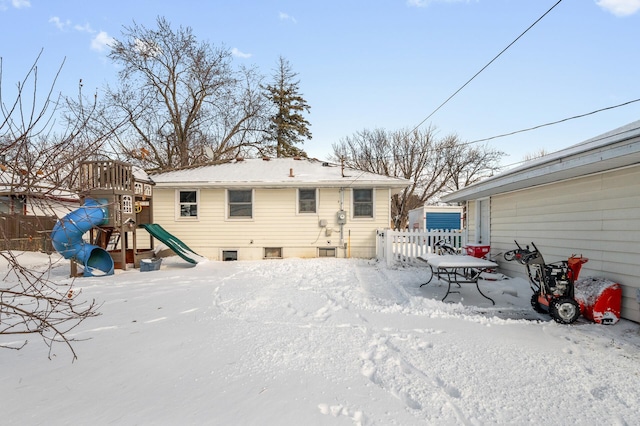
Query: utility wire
[(544, 125), (551, 123), (474, 76), (596, 139), (487, 65)]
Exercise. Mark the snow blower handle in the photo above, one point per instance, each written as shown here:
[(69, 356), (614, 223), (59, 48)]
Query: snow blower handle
[(515, 254)]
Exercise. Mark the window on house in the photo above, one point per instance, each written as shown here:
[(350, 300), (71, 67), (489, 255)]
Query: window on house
[(327, 252), (363, 203), (273, 252), (240, 203), (188, 203), (306, 200), (5, 203), (229, 255)]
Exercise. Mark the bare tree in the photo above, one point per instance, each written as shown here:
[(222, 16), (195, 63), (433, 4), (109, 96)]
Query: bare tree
[(30, 303), (469, 164), (44, 137), (431, 164), (182, 100), (38, 158), (536, 154)]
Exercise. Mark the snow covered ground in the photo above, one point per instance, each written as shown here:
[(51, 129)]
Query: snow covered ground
[(317, 342)]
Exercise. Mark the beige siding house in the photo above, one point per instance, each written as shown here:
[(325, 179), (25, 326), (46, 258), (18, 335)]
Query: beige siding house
[(274, 208), (581, 200)]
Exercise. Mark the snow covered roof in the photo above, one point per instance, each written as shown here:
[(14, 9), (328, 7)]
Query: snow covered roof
[(139, 174), (15, 184), (275, 173), (612, 150)]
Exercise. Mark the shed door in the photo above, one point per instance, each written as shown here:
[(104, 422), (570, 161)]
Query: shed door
[(438, 220), (483, 221)]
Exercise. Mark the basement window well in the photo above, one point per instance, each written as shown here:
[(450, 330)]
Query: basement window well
[(327, 252), (229, 255), (273, 252)]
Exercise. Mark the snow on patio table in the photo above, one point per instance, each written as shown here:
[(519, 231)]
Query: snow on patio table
[(319, 341)]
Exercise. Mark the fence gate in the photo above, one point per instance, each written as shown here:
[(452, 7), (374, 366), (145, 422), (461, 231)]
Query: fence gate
[(405, 246)]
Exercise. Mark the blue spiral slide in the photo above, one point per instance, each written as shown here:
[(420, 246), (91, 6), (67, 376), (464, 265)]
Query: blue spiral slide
[(67, 238)]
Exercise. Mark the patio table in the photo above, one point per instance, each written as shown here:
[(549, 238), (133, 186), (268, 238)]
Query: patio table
[(457, 269)]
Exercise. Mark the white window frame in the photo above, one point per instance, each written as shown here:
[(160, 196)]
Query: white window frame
[(228, 210), (326, 250), (373, 204), (127, 204), (229, 251), (178, 211), (268, 253), (315, 211)]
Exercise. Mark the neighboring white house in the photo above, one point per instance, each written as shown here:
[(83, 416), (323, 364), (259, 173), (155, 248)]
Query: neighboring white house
[(29, 209), (581, 200), (35, 198), (275, 208)]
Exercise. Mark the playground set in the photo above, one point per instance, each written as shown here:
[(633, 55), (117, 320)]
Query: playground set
[(115, 203)]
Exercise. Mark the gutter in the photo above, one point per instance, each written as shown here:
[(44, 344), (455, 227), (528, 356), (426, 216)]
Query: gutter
[(556, 167)]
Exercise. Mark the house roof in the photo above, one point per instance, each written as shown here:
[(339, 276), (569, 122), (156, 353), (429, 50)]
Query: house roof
[(275, 173), (15, 184), (140, 175), (612, 150)]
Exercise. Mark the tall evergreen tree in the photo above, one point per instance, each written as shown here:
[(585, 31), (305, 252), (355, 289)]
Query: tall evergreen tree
[(288, 127)]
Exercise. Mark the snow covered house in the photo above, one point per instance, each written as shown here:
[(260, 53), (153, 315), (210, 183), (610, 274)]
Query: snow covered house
[(21, 196), (29, 208), (249, 209), (581, 200)]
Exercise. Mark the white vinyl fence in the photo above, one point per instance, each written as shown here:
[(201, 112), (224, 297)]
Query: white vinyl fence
[(405, 246)]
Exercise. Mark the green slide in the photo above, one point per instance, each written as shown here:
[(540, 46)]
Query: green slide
[(180, 248)]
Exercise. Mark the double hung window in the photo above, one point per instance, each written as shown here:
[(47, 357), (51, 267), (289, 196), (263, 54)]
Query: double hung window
[(240, 203), (307, 200), (188, 204), (363, 203)]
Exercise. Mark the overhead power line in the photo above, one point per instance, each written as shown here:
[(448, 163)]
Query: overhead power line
[(548, 124), (476, 74), (596, 139), (552, 122), (487, 65)]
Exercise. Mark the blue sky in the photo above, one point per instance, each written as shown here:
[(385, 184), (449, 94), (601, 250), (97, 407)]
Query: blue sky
[(377, 63)]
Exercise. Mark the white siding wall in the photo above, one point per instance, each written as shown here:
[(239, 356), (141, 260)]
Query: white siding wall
[(597, 216), (470, 222), (276, 223)]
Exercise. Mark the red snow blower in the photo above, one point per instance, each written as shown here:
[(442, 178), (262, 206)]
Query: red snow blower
[(552, 284)]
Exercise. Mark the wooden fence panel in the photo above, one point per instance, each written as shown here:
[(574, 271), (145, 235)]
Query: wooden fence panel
[(26, 233)]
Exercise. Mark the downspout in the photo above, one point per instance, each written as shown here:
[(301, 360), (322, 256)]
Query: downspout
[(342, 204), (342, 224)]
